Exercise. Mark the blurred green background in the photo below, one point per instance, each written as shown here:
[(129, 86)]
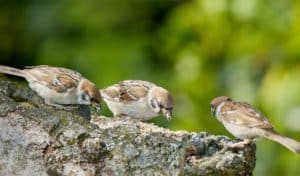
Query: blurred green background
[(198, 49)]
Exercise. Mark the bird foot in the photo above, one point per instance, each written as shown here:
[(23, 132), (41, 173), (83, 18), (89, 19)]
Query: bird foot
[(240, 144), (234, 146)]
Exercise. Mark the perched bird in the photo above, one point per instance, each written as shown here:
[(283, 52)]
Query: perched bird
[(245, 122), (138, 99), (60, 87)]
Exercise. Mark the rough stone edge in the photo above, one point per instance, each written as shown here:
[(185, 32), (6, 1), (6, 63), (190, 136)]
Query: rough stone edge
[(65, 143)]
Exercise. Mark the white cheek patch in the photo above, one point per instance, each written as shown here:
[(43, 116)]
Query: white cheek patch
[(154, 105), (83, 99), (218, 112)]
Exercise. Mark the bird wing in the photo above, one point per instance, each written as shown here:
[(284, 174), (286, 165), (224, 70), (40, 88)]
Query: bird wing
[(126, 91), (244, 114), (58, 79)]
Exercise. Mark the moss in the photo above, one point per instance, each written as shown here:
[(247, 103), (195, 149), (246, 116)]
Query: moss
[(6, 105), (107, 145)]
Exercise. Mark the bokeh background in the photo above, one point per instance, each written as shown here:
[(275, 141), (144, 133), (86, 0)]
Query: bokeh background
[(198, 49)]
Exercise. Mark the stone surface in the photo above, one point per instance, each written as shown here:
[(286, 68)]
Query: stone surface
[(36, 139)]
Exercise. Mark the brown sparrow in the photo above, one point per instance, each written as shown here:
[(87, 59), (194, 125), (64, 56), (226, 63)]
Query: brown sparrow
[(245, 122), (59, 87), (138, 99)]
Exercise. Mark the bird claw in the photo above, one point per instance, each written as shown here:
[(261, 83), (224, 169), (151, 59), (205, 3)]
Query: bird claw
[(238, 145)]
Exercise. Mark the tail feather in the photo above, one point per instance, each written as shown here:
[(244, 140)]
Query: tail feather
[(11, 71), (289, 143)]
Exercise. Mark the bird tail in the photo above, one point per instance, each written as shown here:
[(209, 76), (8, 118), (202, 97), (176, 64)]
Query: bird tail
[(11, 71), (289, 143)]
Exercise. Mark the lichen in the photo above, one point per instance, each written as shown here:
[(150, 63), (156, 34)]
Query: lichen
[(62, 142)]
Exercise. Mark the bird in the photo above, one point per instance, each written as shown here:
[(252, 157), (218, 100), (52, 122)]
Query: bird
[(137, 99), (60, 87), (245, 122)]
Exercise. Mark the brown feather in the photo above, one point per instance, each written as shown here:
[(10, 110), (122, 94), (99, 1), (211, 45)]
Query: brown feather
[(91, 90), (126, 91), (244, 114), (58, 79)]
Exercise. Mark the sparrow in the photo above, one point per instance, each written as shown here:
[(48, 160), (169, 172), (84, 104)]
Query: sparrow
[(245, 122), (59, 87), (138, 99)]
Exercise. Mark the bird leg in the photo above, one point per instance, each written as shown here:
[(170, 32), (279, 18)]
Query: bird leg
[(240, 144)]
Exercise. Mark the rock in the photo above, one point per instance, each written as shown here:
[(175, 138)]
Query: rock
[(37, 139)]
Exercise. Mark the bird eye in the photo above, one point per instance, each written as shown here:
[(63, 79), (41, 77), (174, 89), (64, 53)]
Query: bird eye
[(169, 109), (93, 99), (161, 106)]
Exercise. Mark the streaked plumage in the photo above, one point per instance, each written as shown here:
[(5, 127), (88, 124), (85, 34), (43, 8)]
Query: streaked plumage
[(58, 86), (138, 99), (244, 121)]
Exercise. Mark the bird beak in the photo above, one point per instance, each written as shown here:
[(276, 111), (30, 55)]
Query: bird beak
[(212, 110), (167, 113)]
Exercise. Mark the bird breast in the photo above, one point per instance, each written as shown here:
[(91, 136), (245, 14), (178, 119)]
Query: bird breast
[(137, 109)]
